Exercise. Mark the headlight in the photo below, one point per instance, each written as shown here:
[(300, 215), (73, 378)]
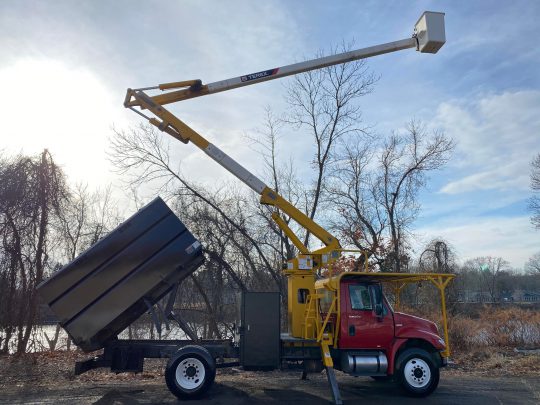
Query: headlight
[(442, 342)]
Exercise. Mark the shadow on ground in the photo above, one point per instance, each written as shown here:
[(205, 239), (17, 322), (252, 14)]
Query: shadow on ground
[(283, 388)]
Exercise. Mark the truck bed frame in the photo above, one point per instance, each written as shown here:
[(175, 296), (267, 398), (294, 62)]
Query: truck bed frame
[(127, 355)]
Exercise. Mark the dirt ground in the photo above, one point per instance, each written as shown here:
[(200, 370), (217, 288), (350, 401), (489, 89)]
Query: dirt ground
[(502, 378)]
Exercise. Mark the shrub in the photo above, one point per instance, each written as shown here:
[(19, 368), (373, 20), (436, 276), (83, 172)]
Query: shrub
[(491, 326)]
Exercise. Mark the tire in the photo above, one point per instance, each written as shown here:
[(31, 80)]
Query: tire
[(417, 372), (190, 372)]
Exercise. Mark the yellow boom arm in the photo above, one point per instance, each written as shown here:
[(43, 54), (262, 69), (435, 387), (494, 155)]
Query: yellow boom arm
[(175, 127)]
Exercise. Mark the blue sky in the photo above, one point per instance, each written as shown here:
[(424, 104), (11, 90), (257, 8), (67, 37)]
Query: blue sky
[(65, 66)]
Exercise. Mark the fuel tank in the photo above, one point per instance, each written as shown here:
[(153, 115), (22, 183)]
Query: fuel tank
[(364, 362), (111, 284)]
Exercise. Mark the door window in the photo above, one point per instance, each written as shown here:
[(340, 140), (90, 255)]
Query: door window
[(360, 297)]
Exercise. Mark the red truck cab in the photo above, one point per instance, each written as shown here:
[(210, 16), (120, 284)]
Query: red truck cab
[(374, 340)]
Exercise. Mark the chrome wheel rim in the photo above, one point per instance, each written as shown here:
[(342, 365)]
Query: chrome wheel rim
[(190, 373), (417, 373)]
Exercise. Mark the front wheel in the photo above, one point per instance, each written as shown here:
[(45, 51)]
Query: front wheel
[(190, 372), (417, 373)]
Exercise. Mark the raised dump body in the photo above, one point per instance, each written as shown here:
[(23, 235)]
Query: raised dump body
[(112, 283)]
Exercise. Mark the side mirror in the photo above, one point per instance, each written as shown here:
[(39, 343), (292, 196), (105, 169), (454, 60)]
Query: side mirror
[(376, 292)]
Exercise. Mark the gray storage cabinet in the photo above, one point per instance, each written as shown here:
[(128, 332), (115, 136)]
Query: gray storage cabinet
[(260, 330), (110, 285)]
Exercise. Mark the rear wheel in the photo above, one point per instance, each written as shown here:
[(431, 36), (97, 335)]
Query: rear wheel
[(190, 372), (417, 373)]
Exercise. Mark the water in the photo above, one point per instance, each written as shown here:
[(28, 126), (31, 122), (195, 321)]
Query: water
[(38, 340)]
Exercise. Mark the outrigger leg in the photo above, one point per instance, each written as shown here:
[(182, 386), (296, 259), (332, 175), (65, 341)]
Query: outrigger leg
[(333, 385), (329, 365)]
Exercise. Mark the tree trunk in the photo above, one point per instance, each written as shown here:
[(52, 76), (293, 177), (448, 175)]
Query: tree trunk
[(53, 342)]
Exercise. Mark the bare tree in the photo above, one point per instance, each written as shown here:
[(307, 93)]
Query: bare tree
[(403, 166), (72, 222), (534, 204), (490, 269), (232, 264), (145, 155), (227, 248), (373, 191), (533, 264), (31, 193), (325, 103), (84, 218), (282, 178), (437, 257), (351, 189)]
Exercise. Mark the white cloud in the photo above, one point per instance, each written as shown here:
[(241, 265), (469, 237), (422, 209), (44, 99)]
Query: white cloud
[(490, 236), (500, 178), (497, 137)]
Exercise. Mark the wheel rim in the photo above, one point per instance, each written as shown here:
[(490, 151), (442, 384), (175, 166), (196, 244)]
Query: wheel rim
[(417, 373), (190, 373)]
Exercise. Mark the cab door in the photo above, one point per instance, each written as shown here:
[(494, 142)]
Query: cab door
[(360, 327)]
